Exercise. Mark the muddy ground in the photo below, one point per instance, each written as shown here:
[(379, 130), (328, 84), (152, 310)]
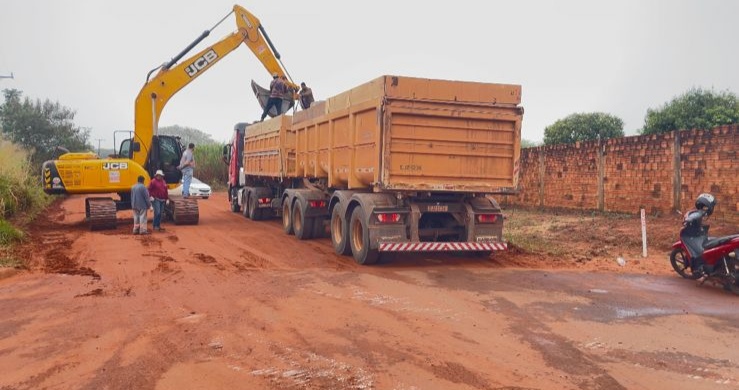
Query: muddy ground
[(236, 304)]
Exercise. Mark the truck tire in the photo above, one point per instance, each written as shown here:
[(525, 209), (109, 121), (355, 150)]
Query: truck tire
[(302, 226), (245, 206), (287, 222), (340, 232), (233, 198), (255, 214), (359, 238)]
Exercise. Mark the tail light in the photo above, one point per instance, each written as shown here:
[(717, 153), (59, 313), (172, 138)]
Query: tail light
[(264, 200), (388, 217), (317, 204), (487, 218)]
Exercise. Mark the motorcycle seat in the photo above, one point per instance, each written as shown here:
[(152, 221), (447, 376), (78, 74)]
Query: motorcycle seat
[(714, 242)]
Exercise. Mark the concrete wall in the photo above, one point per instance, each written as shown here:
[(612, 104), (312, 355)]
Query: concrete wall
[(661, 173)]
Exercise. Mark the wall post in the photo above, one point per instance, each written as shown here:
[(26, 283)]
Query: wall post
[(542, 171), (676, 172), (601, 176)]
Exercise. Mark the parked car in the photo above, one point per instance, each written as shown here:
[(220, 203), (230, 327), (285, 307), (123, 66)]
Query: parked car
[(198, 189)]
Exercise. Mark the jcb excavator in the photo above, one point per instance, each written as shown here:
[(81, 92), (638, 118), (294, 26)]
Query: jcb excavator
[(145, 151)]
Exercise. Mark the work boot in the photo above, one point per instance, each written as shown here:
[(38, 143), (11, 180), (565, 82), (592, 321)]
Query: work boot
[(697, 267)]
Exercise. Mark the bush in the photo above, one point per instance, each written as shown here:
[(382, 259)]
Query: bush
[(20, 190), (210, 167)]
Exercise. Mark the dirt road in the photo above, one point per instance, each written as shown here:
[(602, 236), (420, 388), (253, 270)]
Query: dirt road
[(236, 304)]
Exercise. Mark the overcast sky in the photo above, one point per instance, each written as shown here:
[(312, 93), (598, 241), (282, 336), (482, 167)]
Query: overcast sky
[(620, 57)]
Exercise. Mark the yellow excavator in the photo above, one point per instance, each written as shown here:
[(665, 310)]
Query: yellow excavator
[(144, 151)]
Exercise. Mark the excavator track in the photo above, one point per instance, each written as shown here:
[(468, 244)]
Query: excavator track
[(100, 213), (184, 211)]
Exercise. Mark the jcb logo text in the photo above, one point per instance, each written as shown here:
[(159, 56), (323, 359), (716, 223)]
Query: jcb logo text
[(115, 166), (202, 62)]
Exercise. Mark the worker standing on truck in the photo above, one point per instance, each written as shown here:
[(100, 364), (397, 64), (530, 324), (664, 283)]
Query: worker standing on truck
[(159, 196), (306, 96), (140, 204), (277, 89), (187, 166)]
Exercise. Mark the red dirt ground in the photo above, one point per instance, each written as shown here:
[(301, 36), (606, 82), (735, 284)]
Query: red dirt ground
[(233, 303)]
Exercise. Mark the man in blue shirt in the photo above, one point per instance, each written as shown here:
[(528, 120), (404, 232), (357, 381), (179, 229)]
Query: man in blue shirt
[(187, 166), (140, 204)]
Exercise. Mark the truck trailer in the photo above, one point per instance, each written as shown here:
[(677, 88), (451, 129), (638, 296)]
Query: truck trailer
[(398, 164)]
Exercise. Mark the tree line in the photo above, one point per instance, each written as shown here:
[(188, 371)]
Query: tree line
[(44, 126), (695, 109)]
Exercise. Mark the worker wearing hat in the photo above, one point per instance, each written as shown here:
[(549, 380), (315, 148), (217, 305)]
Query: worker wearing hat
[(159, 195), (277, 89)]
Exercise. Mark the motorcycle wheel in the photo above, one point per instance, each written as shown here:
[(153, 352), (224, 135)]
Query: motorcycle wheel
[(681, 264)]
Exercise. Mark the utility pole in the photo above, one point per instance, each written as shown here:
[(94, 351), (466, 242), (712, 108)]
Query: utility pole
[(7, 77), (99, 140)]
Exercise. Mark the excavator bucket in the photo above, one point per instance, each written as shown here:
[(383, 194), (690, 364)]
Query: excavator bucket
[(262, 95)]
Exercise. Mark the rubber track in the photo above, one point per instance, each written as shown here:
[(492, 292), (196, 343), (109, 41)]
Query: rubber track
[(101, 213), (185, 211)]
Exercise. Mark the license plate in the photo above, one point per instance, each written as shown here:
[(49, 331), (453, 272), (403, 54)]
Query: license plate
[(439, 208)]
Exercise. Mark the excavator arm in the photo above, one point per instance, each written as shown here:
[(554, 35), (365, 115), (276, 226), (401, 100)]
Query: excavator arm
[(171, 78)]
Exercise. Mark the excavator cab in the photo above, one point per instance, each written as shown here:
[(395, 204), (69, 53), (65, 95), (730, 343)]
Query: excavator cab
[(165, 154)]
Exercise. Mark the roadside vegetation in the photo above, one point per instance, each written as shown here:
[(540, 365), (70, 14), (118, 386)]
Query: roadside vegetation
[(210, 167), (21, 198), (31, 131), (208, 154)]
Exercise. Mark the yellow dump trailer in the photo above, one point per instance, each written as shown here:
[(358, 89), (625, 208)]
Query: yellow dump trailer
[(396, 164)]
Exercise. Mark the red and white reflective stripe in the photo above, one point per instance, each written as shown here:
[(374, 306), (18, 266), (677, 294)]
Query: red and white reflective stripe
[(440, 246)]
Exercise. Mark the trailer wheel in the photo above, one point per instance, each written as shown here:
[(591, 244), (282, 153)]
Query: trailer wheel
[(255, 214), (359, 239), (340, 232), (287, 223), (245, 208), (302, 226)]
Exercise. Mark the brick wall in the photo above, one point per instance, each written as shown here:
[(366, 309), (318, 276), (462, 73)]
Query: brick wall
[(660, 173)]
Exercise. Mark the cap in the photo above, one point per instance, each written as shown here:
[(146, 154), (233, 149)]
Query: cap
[(159, 173)]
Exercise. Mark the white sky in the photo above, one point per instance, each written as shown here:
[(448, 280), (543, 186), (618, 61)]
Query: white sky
[(620, 57)]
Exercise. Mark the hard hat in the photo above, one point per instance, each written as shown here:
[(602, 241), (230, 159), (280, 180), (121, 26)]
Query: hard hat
[(274, 74), (159, 173)]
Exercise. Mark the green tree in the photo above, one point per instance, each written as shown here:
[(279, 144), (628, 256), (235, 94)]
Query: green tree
[(40, 126), (696, 109), (188, 134), (583, 127)]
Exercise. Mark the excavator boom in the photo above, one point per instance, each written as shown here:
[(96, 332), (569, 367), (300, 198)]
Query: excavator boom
[(171, 78)]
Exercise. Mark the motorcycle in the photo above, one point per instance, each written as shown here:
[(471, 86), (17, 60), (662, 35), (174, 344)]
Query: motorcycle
[(720, 254)]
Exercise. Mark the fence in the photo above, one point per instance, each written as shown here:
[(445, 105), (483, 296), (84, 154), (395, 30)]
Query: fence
[(661, 173)]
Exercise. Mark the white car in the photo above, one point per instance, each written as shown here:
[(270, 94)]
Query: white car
[(198, 189)]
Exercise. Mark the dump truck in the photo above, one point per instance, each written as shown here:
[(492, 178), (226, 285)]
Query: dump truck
[(399, 164)]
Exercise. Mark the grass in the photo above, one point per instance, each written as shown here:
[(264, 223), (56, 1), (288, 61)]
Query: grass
[(10, 261), (9, 234), (210, 167), (21, 196)]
